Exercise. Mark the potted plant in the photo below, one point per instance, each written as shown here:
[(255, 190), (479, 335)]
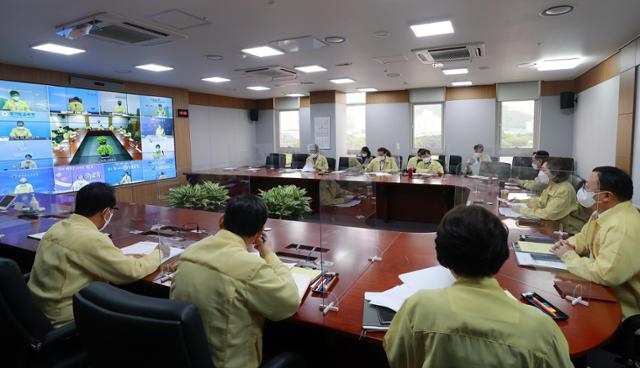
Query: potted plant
[(205, 196), (286, 202), (104, 150)]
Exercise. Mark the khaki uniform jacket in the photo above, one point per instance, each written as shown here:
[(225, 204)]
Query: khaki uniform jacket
[(483, 158), (234, 291), (321, 163), (390, 165), (557, 203), (613, 240), (473, 323), (73, 254), (534, 185), (331, 193), (434, 166)]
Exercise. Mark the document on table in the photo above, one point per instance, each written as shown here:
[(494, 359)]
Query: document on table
[(303, 278), (147, 247), (527, 259), (431, 278), (511, 204), (351, 203), (37, 236), (533, 247), (508, 212), (520, 196), (392, 298), (308, 168)]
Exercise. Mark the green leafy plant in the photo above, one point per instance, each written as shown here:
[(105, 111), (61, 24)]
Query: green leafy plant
[(105, 150), (101, 140), (286, 202), (206, 196)]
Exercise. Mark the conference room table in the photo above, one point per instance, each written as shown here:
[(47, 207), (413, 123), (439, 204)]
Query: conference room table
[(345, 250)]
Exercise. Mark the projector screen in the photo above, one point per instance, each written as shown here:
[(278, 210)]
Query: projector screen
[(58, 139)]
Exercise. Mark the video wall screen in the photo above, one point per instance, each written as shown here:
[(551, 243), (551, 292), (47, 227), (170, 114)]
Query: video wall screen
[(58, 139)]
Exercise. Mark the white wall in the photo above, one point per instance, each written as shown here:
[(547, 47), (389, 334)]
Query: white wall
[(220, 137), (635, 174), (265, 139), (556, 127), (388, 125), (467, 123), (595, 125)]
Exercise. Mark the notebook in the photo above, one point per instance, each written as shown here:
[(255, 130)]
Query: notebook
[(146, 247), (533, 247), (303, 278), (371, 320)]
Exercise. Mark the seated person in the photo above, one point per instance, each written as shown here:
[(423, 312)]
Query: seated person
[(331, 193), (473, 164), (160, 131), (606, 250), (542, 180), (20, 131), (233, 289), (28, 162), (24, 187), (126, 178), (74, 253), (159, 153), (364, 157), (558, 201), (15, 103), (160, 111), (75, 105), (473, 323), (315, 159), (422, 163), (119, 108), (384, 162)]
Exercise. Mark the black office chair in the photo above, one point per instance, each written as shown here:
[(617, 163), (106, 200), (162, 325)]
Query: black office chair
[(298, 160), (276, 160), (28, 338), (455, 164), (628, 341), (576, 181), (568, 162), (398, 161), (521, 168), (332, 163), (500, 170), (343, 163)]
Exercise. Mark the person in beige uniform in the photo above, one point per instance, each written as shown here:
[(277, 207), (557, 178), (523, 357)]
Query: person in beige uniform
[(478, 157), (74, 253), (473, 323), (423, 164), (233, 289), (384, 162)]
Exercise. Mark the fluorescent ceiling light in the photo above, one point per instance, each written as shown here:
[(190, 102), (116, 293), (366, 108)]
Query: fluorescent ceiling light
[(295, 95), (58, 49), (154, 67), (558, 64), (455, 71), (341, 80), (262, 51), (461, 84), (311, 69), (258, 88), (367, 89), (432, 29), (216, 79)]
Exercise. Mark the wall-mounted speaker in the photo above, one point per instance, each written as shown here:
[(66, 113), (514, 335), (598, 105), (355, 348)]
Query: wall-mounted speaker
[(253, 114), (567, 100)]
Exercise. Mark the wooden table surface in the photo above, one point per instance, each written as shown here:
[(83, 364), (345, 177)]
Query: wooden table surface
[(349, 249)]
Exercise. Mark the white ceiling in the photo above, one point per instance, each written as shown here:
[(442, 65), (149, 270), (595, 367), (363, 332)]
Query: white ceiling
[(512, 30)]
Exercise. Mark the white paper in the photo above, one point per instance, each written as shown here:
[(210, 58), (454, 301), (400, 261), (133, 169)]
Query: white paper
[(431, 278), (381, 174), (520, 196), (392, 298), (508, 212), (302, 282), (351, 203), (147, 247), (37, 236), (511, 204), (322, 129), (525, 259), (308, 168)]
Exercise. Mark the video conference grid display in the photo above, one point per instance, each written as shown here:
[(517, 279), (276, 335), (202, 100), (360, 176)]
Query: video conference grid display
[(58, 139)]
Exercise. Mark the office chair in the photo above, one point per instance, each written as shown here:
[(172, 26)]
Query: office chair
[(276, 160), (628, 340), (28, 338), (455, 164), (332, 163), (398, 161), (298, 160), (521, 168), (501, 170), (576, 181), (568, 162), (343, 163)]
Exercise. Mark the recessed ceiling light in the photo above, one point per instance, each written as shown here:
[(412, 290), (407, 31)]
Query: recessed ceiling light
[(461, 84), (258, 88), (432, 29), (214, 57), (455, 71), (557, 10), (334, 39), (367, 89), (558, 64), (154, 67), (295, 95), (262, 51), (58, 49), (341, 80), (216, 79), (311, 68)]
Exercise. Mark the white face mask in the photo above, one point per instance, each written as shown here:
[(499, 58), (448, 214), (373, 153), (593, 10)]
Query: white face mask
[(107, 221), (585, 198), (16, 98), (535, 167), (314, 155), (381, 158), (427, 160), (543, 177), (477, 155)]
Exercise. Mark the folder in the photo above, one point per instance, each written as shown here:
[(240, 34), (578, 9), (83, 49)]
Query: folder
[(371, 317), (533, 247)]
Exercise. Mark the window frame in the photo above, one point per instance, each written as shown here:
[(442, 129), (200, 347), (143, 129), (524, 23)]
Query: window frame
[(536, 130), (281, 149), (413, 128), (356, 151)]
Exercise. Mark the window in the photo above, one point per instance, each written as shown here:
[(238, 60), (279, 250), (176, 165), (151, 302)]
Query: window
[(356, 121), (518, 127), (427, 127), (289, 129)]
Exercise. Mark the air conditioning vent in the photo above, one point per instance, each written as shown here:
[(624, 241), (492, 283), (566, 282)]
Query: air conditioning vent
[(449, 54), (119, 29), (271, 72)]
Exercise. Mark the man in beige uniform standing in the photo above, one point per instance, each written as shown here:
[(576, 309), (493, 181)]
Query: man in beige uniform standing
[(74, 253), (236, 290)]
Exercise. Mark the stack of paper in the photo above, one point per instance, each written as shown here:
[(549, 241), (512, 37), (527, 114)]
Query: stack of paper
[(303, 278), (147, 247), (529, 259), (533, 247), (351, 203), (508, 212)]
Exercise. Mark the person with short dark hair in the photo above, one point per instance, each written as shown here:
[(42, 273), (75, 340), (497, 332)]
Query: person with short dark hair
[(14, 103), (28, 162), (20, 131), (365, 157), (74, 253), (75, 105), (423, 164), (384, 162), (541, 181), (606, 250), (473, 322), (233, 289), (557, 202), (477, 158)]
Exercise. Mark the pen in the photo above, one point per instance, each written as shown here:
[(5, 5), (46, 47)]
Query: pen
[(331, 281), (324, 284), (544, 307)]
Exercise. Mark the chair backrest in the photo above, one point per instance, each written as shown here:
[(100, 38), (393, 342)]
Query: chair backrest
[(521, 168), (455, 164), (398, 161), (121, 329), (569, 163), (501, 170), (343, 163), (24, 326), (276, 160), (332, 163), (298, 160), (576, 181)]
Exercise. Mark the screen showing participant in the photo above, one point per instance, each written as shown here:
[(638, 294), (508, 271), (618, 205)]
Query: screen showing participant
[(113, 103), (73, 100), (159, 107)]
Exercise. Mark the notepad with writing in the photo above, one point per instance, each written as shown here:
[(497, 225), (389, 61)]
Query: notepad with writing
[(303, 278), (533, 247), (147, 247)]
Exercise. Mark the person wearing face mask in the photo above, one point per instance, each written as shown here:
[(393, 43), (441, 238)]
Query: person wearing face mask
[(15, 103), (606, 250), (541, 181), (20, 131), (476, 159), (159, 153), (365, 157), (28, 162), (234, 290), (422, 163), (558, 201), (74, 253), (384, 162), (315, 159), (23, 187)]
